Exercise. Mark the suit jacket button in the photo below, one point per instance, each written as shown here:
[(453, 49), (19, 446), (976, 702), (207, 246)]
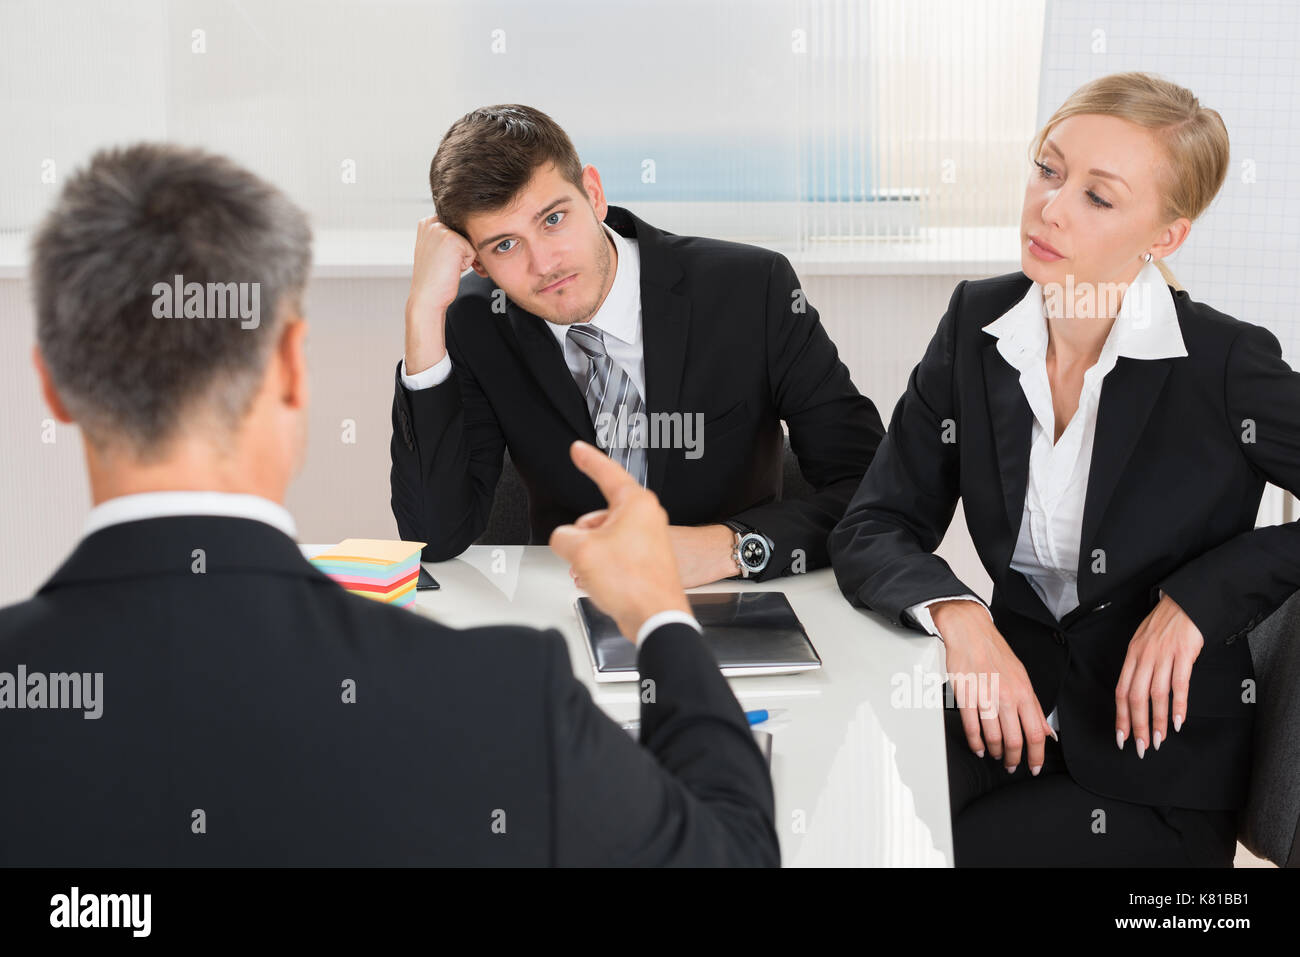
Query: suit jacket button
[(1059, 636)]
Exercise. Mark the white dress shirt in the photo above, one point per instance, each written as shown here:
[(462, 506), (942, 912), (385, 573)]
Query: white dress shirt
[(133, 508), (665, 618), (1047, 548), (618, 318)]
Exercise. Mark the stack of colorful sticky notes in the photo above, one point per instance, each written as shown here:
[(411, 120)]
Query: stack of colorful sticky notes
[(383, 570)]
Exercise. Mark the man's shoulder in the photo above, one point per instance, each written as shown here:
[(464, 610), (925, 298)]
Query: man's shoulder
[(342, 624), (494, 664), (392, 623), (703, 252), (24, 621), (475, 289), (690, 252), (477, 296)]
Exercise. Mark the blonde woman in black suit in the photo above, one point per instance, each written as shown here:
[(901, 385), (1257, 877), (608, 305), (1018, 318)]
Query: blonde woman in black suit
[(1110, 438)]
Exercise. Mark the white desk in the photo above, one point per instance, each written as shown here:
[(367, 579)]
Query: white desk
[(859, 767)]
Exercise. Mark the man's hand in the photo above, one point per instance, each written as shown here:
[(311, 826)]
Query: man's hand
[(996, 700), (622, 553), (1158, 663), (704, 553), (441, 256)]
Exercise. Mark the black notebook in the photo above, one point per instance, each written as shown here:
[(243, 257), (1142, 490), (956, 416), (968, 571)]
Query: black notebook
[(750, 632)]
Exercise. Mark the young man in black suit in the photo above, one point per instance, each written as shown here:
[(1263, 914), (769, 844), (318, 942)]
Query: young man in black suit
[(194, 692), (678, 355)]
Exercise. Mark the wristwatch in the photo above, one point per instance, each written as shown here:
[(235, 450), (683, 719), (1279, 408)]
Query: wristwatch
[(752, 550)]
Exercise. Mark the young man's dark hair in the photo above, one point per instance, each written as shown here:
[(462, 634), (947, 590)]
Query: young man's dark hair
[(488, 156)]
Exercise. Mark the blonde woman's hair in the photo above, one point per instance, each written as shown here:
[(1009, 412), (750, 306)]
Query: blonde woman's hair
[(1193, 137)]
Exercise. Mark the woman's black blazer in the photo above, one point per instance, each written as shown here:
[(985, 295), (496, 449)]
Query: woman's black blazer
[(1183, 449)]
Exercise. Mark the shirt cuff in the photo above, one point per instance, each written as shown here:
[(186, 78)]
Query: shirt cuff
[(661, 618), (436, 374), (922, 615)]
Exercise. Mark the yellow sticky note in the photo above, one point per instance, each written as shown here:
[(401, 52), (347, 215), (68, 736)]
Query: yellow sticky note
[(375, 551)]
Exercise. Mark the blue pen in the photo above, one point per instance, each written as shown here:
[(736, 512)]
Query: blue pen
[(753, 717)]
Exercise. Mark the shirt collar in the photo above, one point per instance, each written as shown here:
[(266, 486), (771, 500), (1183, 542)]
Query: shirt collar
[(620, 314), (1146, 326), (133, 508)]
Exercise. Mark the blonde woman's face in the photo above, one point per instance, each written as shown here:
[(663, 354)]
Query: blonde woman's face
[(1092, 206)]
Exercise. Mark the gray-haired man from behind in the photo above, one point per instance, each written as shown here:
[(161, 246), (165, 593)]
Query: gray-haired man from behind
[(168, 289)]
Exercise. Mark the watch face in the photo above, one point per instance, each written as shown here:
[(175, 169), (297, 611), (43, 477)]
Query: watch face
[(753, 552)]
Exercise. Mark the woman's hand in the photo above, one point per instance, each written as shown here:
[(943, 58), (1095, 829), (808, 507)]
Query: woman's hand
[(996, 700), (1159, 662)]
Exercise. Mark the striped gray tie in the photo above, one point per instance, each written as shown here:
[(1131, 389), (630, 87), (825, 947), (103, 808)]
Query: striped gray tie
[(610, 392)]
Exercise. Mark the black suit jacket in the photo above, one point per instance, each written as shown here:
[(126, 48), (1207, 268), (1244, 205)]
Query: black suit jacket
[(1182, 451), (726, 334), (224, 692)]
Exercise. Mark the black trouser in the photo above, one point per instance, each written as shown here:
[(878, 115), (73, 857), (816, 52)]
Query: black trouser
[(1019, 820)]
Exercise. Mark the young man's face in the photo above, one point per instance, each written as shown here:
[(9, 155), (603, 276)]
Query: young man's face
[(547, 250)]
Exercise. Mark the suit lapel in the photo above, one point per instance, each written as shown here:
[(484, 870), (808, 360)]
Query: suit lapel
[(665, 319), (1128, 394), (665, 325), (543, 358), (1012, 432), (1013, 423)]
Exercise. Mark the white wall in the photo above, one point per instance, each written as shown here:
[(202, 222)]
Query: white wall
[(881, 325)]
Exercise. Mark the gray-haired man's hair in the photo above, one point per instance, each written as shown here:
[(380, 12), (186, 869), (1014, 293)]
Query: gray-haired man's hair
[(130, 358)]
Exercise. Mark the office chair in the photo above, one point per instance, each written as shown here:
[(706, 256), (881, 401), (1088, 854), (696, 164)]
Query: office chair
[(1269, 825)]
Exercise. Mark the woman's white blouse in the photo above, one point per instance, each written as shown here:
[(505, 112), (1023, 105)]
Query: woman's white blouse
[(1047, 549)]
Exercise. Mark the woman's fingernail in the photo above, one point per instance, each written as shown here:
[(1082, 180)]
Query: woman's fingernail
[(1035, 769), (1119, 740), (1155, 740), (1178, 722), (1012, 769), (1141, 746), (980, 753)]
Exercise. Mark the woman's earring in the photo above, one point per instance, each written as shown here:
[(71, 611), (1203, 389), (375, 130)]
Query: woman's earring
[(1147, 257)]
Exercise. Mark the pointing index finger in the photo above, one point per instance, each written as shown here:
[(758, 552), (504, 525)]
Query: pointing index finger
[(611, 478)]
